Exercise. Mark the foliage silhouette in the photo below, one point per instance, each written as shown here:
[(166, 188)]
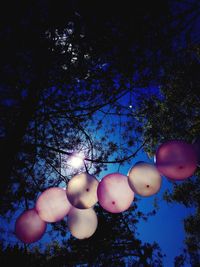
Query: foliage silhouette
[(178, 113)]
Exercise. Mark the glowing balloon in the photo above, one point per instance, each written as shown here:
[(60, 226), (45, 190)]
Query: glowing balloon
[(82, 223), (144, 179), (176, 160), (82, 191), (114, 193), (52, 205), (138, 162), (29, 227)]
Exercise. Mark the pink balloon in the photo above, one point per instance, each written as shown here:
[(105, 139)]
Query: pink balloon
[(53, 205), (29, 227), (176, 160), (114, 193)]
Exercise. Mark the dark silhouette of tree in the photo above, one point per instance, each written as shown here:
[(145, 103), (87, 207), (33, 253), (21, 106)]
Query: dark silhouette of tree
[(174, 114), (114, 243), (71, 76)]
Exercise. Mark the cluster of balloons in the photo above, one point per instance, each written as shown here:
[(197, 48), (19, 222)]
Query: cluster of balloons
[(176, 160)]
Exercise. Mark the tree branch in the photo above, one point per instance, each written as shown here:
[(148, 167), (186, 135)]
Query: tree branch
[(89, 159)]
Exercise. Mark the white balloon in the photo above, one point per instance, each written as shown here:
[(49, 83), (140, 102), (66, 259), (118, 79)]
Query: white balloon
[(82, 223), (82, 191), (52, 205), (144, 179)]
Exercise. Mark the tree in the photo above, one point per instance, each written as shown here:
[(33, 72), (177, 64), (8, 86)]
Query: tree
[(177, 108), (114, 243), (67, 86)]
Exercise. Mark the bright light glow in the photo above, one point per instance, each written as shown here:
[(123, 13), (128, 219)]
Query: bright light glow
[(76, 161)]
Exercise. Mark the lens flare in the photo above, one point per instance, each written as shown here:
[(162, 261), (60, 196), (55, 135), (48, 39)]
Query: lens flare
[(76, 160)]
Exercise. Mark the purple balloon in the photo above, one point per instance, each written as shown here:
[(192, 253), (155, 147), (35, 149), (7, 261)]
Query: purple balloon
[(176, 160), (29, 227), (114, 193), (52, 205)]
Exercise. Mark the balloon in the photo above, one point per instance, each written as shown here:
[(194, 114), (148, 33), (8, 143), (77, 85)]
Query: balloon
[(114, 193), (52, 205), (176, 160), (29, 227), (82, 191), (82, 223), (144, 179), (138, 162)]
